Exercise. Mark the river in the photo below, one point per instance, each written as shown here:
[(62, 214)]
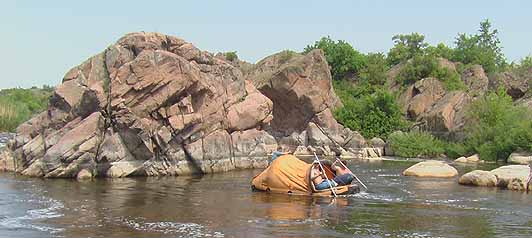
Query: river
[(222, 205)]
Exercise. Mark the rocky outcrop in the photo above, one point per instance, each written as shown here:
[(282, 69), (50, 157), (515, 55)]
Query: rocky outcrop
[(432, 106), (431, 168), (153, 104), (520, 158)]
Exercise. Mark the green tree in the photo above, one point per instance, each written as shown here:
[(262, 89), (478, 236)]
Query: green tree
[(343, 59), (483, 48), (406, 47)]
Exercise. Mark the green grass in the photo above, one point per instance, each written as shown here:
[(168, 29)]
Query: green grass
[(19, 105)]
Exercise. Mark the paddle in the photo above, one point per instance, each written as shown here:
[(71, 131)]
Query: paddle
[(328, 181)]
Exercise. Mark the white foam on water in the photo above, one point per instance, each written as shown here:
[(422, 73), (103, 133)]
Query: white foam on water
[(189, 229), (46, 208), (378, 197), (308, 221)]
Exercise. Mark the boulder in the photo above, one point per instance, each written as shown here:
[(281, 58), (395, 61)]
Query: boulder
[(299, 86), (516, 83), (377, 143), (475, 80), (469, 160), (479, 178), (447, 115), (424, 93), (84, 174), (431, 168), (520, 158), (509, 175)]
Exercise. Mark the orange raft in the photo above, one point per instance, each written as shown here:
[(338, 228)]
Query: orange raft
[(290, 175)]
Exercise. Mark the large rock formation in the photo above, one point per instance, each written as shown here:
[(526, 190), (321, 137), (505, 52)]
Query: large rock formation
[(154, 105), (433, 107)]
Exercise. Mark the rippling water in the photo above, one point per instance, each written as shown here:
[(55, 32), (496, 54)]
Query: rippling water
[(222, 205)]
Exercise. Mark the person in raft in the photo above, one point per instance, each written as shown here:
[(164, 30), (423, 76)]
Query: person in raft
[(344, 176), (317, 177), (277, 153)]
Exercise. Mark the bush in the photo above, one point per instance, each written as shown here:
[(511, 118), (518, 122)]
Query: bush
[(286, 55), (419, 67), (231, 56), (406, 47), (496, 127), (450, 79), (416, 144), (455, 150), (375, 71), (18, 105), (343, 59), (371, 111), (422, 66)]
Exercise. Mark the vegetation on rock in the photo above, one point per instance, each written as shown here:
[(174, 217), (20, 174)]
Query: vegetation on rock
[(494, 128), (18, 105)]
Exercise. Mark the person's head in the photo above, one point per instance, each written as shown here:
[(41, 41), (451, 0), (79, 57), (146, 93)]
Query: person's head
[(279, 148)]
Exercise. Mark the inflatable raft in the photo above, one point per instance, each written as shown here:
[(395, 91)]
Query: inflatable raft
[(290, 175)]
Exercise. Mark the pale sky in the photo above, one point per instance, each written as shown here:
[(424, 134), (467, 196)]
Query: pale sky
[(41, 40)]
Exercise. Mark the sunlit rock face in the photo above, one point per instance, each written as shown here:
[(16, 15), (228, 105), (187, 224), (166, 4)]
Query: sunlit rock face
[(153, 104)]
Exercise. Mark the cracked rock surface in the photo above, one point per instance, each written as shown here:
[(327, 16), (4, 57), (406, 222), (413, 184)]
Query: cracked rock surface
[(152, 105)]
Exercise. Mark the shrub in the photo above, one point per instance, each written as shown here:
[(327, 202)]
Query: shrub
[(419, 67), (231, 56), (406, 47), (371, 111), (497, 128), (18, 105), (422, 66), (451, 79), (455, 150), (286, 55), (416, 144), (343, 59), (375, 71)]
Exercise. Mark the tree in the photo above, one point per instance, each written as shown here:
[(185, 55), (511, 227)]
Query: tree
[(343, 59), (483, 48), (406, 47)]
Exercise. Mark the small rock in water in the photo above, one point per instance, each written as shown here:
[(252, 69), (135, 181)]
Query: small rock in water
[(469, 160), (431, 168)]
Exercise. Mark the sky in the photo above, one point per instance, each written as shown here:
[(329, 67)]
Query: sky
[(42, 40)]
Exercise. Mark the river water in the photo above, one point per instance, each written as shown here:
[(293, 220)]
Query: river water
[(222, 205)]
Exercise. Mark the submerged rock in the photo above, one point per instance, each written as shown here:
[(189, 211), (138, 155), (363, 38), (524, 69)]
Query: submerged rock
[(431, 168), (153, 104)]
